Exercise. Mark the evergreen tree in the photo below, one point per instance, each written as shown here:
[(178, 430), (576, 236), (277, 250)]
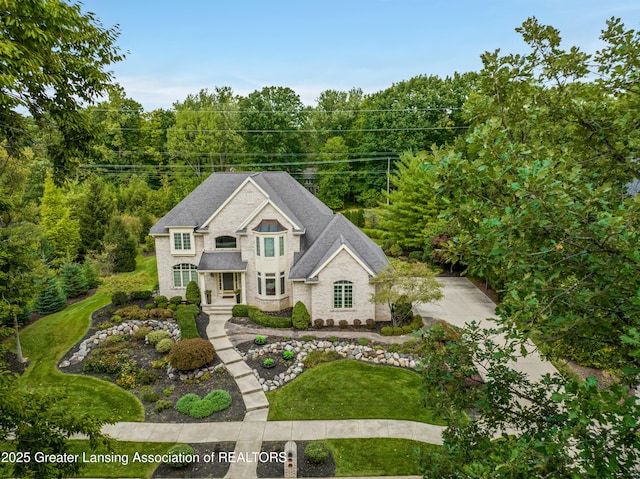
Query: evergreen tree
[(91, 274), (125, 251), (52, 298), (192, 294), (73, 281), (61, 230), (94, 213)]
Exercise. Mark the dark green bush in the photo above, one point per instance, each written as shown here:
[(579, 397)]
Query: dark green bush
[(185, 403), (192, 293), (149, 306), (119, 298), (140, 295), (177, 300), (267, 321), (148, 395), (192, 405), (416, 255), (73, 281), (51, 298), (190, 354), (240, 311), (300, 317), (132, 313), (186, 320), (147, 376), (316, 452), (160, 299), (401, 311), (183, 451)]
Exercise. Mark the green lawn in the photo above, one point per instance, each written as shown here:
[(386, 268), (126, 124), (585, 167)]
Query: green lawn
[(47, 340), (377, 457), (352, 390)]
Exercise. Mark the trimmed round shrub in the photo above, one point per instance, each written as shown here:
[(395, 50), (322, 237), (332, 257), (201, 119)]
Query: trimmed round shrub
[(357, 323), (141, 333), (165, 345), (202, 409), (154, 337), (300, 316), (175, 300), (160, 299), (240, 311), (318, 323), (386, 331), (316, 452), (190, 354), (397, 331), (184, 451), (192, 293), (119, 298), (371, 323), (343, 323), (408, 328), (219, 398), (140, 295), (186, 402)]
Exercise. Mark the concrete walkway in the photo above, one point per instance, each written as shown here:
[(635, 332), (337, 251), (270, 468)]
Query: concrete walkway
[(462, 303)]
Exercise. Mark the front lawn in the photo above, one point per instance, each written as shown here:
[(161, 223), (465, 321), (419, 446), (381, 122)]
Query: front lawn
[(348, 389), (377, 457), (47, 340)]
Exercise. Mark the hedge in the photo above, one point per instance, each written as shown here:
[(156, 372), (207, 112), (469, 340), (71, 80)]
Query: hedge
[(185, 316), (258, 317)]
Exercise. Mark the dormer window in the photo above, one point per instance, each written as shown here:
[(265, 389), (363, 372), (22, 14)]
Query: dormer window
[(269, 226), (226, 242)]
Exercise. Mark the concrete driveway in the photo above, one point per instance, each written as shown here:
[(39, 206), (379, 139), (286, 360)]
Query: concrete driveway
[(462, 303)]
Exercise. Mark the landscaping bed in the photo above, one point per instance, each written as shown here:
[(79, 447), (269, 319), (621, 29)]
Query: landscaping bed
[(306, 468), (136, 366)]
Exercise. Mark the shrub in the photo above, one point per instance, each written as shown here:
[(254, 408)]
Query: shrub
[(386, 331), (318, 323), (154, 337), (185, 403), (307, 337), (51, 299), (407, 328), (73, 281), (116, 318), (260, 340), (149, 306), (187, 322), (177, 300), (240, 311), (397, 331), (269, 362), (371, 323), (316, 357), (128, 381), (192, 293), (163, 404), (140, 295), (159, 363), (160, 314), (119, 298), (165, 345), (160, 299), (148, 395), (141, 333), (330, 323), (132, 313), (190, 354), (343, 323), (147, 376), (300, 317), (364, 341), (316, 452), (177, 452), (401, 310), (416, 255), (267, 321), (163, 305), (357, 323), (91, 274), (219, 398)]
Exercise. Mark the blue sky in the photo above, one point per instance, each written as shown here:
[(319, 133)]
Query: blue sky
[(180, 47)]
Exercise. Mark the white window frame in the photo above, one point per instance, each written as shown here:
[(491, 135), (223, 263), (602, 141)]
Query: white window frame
[(343, 294), (178, 240), (191, 271)]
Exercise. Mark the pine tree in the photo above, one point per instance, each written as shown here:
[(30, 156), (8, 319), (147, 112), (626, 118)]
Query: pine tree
[(125, 251), (61, 230), (52, 298), (73, 281), (91, 273), (94, 213)]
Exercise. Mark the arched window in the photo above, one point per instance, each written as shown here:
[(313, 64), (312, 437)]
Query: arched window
[(183, 273), (225, 242), (343, 294)]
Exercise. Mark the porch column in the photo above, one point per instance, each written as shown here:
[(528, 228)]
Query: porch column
[(243, 283), (201, 283)]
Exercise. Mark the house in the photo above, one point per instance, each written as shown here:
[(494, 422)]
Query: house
[(264, 237)]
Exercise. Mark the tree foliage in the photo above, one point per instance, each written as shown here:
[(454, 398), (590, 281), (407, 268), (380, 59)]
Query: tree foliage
[(61, 230), (54, 59), (123, 255), (409, 282)]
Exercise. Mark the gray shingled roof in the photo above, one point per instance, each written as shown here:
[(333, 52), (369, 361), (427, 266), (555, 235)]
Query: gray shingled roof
[(222, 261), (323, 232), (338, 232)]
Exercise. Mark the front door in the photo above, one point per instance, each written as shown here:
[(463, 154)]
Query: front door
[(227, 282)]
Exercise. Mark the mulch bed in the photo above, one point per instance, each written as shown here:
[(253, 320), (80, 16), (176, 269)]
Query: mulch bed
[(169, 389), (246, 322), (203, 468), (305, 468)]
